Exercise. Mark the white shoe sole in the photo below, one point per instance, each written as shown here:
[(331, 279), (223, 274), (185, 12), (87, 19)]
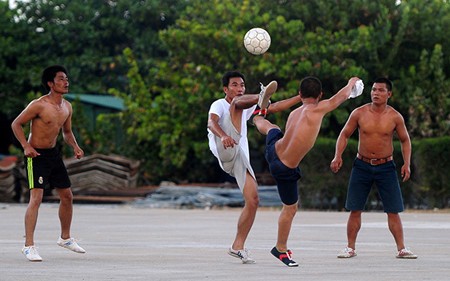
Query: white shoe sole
[(264, 100)]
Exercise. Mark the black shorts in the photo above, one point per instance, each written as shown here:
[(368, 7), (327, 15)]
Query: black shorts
[(46, 169)]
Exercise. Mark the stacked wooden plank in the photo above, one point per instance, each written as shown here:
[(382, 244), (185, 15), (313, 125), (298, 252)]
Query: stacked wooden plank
[(97, 174), (7, 179)]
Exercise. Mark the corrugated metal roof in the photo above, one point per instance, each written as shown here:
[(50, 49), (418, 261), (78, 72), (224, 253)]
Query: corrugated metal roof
[(108, 101)]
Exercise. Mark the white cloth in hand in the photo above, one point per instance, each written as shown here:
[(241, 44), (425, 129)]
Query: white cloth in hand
[(357, 89)]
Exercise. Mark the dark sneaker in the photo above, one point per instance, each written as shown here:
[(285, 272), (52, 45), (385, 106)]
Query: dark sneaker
[(243, 254), (265, 94), (347, 253), (406, 254), (284, 257)]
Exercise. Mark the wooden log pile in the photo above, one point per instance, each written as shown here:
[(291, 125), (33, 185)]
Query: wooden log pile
[(7, 178), (98, 173)]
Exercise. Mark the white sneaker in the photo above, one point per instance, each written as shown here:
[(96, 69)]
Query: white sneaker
[(406, 254), (70, 244), (31, 253), (265, 94), (243, 254), (347, 253)]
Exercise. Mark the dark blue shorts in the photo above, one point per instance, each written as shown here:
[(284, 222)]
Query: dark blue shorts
[(384, 176), (47, 168), (285, 177)]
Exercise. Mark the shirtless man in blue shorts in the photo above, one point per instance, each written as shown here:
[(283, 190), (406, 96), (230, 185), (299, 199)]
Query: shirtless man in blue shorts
[(284, 152), (376, 123), (48, 115)]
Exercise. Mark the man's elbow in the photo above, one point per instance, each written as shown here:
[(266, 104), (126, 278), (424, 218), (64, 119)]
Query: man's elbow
[(15, 125)]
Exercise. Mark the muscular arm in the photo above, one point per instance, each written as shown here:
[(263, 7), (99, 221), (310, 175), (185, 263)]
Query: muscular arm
[(28, 114), (405, 141), (284, 104), (341, 143), (213, 125)]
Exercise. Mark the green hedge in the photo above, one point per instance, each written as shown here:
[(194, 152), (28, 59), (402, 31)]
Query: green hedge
[(432, 178), (428, 187)]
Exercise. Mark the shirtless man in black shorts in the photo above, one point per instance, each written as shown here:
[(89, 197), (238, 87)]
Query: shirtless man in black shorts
[(48, 115), (284, 152)]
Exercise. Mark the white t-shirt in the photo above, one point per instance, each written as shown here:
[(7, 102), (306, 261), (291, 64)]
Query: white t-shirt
[(221, 107)]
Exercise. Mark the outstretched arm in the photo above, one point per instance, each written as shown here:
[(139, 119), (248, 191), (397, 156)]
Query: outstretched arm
[(284, 104), (341, 96)]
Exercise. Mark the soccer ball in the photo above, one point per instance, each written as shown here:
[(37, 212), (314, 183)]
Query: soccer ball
[(257, 41)]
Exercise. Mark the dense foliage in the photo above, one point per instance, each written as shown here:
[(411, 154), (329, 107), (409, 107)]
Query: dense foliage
[(165, 58)]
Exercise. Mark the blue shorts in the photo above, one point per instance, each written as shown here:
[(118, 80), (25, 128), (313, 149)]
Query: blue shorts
[(285, 177), (384, 176)]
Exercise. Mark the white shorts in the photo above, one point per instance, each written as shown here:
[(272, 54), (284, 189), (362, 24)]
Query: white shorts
[(233, 159)]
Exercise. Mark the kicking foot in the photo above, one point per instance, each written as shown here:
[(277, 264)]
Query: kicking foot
[(264, 96)]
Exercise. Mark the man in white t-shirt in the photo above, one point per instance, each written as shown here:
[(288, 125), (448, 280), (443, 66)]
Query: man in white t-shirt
[(227, 134)]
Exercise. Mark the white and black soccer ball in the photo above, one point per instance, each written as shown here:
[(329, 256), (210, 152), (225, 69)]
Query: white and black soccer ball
[(257, 41)]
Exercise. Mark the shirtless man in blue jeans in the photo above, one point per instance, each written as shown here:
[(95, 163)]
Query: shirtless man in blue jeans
[(284, 152)]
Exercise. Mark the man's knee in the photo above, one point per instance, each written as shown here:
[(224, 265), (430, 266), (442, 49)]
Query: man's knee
[(251, 192), (36, 195), (65, 195), (290, 210), (252, 201)]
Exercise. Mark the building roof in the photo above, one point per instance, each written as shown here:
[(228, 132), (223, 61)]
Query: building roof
[(107, 101)]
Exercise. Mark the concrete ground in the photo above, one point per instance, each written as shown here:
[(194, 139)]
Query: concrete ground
[(128, 243)]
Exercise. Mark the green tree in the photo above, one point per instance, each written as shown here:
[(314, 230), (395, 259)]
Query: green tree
[(16, 61), (177, 51), (428, 96), (330, 39), (88, 37), (204, 43)]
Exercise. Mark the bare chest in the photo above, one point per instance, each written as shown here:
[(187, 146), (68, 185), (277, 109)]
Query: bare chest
[(52, 117), (380, 124)]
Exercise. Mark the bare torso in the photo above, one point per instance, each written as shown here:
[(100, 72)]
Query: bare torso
[(302, 128), (376, 129), (51, 114)]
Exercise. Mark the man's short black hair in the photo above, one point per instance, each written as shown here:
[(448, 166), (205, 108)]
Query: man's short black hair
[(385, 81), (310, 87), (49, 74), (231, 74)]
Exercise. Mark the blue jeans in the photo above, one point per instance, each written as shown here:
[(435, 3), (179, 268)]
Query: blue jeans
[(384, 176)]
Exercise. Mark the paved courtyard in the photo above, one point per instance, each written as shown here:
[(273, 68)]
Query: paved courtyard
[(129, 243)]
